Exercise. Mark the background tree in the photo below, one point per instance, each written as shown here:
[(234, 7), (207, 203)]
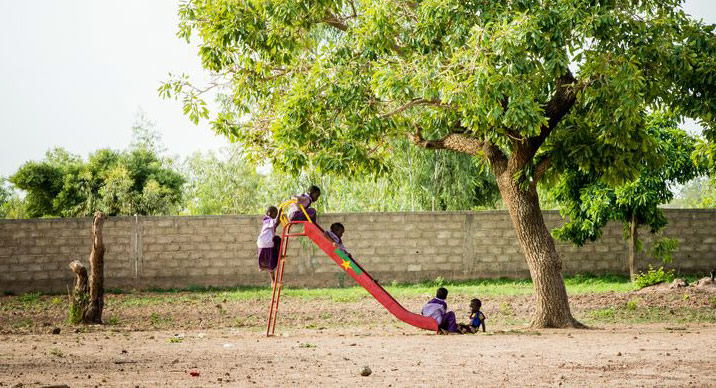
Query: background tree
[(698, 193), (590, 202), (134, 181), (226, 183), (521, 84)]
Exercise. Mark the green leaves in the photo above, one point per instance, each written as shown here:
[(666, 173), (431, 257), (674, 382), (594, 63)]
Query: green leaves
[(326, 85), (591, 199), (135, 181)]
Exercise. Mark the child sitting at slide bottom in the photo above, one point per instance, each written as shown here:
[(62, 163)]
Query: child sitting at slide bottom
[(477, 318), (437, 309)]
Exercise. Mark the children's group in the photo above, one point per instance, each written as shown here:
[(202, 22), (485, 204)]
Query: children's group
[(269, 245)]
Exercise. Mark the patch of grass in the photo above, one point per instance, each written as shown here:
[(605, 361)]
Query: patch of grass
[(113, 320), (158, 320), (631, 305), (306, 345), (648, 314), (29, 299), (579, 284), (56, 352), (176, 340), (21, 324), (56, 300), (505, 308), (603, 314), (325, 315)]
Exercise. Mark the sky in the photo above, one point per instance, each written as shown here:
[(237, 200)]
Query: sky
[(74, 74)]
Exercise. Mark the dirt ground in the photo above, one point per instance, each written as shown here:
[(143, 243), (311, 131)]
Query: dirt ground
[(644, 355), (325, 343)]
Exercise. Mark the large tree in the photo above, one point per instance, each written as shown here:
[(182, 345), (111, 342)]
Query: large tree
[(520, 84)]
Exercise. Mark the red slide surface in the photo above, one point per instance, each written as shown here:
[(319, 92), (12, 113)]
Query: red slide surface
[(357, 272)]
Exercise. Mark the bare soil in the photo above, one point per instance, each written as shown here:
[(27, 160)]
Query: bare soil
[(162, 339)]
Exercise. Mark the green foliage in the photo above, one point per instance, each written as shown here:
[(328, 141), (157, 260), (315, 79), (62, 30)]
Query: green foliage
[(5, 196), (30, 298), (590, 201), (662, 249), (77, 307), (653, 276), (421, 180), (135, 181), (698, 193), (323, 84)]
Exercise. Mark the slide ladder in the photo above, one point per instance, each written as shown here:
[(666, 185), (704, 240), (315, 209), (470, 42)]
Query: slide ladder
[(350, 266)]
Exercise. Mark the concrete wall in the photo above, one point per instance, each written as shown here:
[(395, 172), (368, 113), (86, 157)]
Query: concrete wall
[(167, 252)]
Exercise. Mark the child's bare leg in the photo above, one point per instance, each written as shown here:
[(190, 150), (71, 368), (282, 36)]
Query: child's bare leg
[(273, 276)]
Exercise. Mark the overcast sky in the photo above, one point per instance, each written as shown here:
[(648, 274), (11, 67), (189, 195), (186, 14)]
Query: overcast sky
[(74, 74)]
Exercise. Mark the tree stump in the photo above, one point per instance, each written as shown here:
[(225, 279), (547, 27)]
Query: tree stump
[(88, 296)]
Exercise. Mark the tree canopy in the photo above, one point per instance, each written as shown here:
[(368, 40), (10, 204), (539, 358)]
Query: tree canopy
[(324, 83), (589, 202), (133, 181)]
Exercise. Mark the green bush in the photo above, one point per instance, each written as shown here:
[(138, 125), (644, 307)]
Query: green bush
[(653, 276)]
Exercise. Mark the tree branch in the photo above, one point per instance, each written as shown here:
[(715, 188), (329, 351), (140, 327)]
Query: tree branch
[(540, 169), (453, 141), (335, 21), (565, 95), (412, 103)]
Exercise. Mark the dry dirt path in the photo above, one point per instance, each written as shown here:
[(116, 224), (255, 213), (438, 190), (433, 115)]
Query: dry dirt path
[(639, 355)]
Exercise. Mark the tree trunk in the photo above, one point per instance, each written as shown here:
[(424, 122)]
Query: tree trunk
[(545, 264), (93, 314), (79, 294), (88, 308), (633, 238)]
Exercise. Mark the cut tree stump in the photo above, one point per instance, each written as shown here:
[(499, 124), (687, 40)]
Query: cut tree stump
[(88, 295)]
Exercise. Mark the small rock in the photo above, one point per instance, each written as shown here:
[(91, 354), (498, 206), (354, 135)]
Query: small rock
[(176, 361), (365, 371), (353, 344), (124, 351), (619, 353), (56, 330)]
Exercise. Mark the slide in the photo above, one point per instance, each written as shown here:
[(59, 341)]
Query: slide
[(357, 272)]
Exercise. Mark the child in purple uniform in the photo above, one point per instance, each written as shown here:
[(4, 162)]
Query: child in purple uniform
[(437, 309), (269, 245), (336, 234), (294, 212)]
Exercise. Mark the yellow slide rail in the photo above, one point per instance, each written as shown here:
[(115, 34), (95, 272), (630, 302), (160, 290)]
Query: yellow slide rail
[(284, 220)]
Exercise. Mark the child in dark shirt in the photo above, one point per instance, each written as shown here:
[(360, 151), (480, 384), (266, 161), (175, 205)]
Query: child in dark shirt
[(477, 318)]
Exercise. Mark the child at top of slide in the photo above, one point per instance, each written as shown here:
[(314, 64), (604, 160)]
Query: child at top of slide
[(294, 212), (436, 308), (336, 234), (269, 245)]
